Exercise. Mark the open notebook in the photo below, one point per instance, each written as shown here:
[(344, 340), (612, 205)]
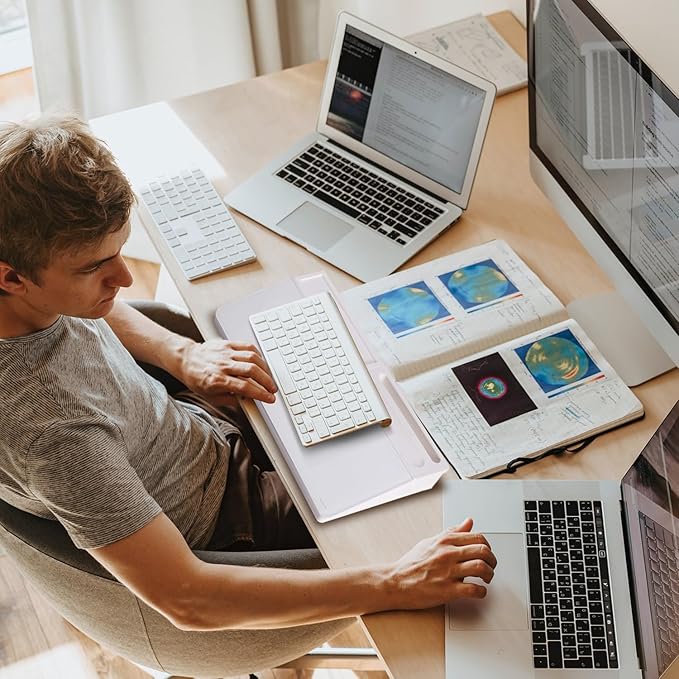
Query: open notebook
[(488, 359)]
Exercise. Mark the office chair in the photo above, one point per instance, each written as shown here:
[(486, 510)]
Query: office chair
[(88, 596)]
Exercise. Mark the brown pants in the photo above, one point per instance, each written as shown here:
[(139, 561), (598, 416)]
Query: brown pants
[(256, 512)]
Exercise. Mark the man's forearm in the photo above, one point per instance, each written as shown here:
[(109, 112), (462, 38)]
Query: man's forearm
[(232, 597), (157, 565), (146, 340)]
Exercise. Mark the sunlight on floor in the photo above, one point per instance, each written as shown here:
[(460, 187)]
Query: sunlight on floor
[(67, 660)]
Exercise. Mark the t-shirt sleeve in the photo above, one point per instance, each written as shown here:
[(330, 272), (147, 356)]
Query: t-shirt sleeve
[(79, 470)]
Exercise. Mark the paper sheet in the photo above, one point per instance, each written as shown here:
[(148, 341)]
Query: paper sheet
[(474, 44)]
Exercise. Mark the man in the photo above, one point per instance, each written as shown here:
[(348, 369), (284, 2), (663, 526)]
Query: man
[(139, 478)]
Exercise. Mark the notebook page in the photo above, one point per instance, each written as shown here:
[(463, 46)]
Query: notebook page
[(438, 312), (522, 398), (474, 44)]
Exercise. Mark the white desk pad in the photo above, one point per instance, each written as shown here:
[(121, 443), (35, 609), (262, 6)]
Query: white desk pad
[(355, 472)]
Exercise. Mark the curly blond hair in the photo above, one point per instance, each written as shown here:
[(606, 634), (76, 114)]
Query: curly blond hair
[(60, 189)]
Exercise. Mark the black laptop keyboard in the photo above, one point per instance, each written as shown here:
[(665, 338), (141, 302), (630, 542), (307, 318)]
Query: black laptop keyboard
[(663, 586), (354, 190), (570, 591)]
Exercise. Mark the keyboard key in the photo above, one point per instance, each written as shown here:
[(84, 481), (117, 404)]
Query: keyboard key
[(285, 382), (342, 425), (337, 204), (535, 575), (554, 654), (572, 508), (405, 230), (539, 649), (600, 659), (321, 427)]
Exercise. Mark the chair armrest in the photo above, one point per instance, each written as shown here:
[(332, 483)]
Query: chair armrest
[(307, 559)]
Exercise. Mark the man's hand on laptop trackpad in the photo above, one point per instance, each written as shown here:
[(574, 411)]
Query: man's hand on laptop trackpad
[(436, 569), (505, 606)]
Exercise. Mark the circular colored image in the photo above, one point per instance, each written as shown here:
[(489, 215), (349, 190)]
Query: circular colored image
[(478, 284), (557, 361), (492, 387), (408, 307)]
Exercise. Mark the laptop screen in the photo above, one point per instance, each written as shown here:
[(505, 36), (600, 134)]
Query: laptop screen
[(651, 493), (405, 108)]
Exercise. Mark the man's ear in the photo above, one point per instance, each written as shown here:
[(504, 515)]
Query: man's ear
[(11, 281)]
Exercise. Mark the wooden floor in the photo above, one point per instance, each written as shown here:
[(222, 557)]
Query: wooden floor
[(35, 641)]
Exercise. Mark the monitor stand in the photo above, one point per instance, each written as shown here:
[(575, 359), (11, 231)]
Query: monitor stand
[(621, 337)]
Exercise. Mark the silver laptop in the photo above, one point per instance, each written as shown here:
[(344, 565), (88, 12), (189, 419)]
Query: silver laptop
[(587, 582), (391, 163)]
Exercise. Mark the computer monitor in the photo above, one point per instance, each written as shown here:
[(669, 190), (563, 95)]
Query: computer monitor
[(604, 148)]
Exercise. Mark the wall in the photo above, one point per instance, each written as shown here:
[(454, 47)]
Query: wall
[(651, 30)]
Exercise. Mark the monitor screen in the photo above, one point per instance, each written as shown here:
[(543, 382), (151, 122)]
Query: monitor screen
[(607, 130), (405, 108), (651, 493)]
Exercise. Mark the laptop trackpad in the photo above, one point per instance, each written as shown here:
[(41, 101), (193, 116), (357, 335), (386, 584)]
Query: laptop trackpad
[(314, 226), (506, 604)]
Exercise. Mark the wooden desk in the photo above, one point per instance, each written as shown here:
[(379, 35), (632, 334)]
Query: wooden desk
[(246, 125)]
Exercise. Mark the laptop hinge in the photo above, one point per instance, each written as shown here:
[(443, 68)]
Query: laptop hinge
[(632, 589), (385, 170)]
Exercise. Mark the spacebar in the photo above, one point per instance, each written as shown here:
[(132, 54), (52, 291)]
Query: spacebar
[(330, 200), (277, 363)]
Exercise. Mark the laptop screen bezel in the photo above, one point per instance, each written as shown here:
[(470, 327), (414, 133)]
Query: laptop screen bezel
[(460, 199)]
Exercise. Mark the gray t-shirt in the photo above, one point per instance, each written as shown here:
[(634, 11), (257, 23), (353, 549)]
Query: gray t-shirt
[(88, 438)]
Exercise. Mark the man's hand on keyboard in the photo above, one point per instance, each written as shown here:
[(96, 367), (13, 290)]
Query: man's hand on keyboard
[(433, 571), (218, 368)]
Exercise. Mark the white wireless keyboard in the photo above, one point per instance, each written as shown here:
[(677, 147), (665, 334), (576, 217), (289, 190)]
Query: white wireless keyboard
[(193, 220), (323, 380)]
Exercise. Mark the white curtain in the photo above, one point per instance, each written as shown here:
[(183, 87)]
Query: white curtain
[(102, 56)]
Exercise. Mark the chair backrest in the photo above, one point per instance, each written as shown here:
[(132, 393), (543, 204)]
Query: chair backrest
[(91, 599)]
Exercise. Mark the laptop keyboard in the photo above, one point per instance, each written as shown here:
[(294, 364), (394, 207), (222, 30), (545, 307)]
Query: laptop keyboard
[(663, 587), (381, 205), (570, 592)]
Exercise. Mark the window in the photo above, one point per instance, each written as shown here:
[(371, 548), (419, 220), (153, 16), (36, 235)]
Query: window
[(15, 42)]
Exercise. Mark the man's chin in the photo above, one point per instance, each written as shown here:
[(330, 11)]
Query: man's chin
[(100, 309)]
